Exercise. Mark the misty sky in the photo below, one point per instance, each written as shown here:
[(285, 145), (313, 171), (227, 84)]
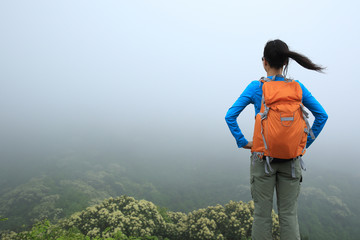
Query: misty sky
[(156, 78)]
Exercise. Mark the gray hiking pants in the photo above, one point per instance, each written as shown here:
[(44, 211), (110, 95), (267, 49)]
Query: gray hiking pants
[(285, 178)]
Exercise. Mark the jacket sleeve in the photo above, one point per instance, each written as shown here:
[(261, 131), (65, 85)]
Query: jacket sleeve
[(317, 110), (245, 99)]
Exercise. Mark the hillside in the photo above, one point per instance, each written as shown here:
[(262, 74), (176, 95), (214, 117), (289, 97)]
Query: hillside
[(328, 202), (118, 218)]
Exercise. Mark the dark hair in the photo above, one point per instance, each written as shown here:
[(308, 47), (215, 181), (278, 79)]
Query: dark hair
[(277, 54)]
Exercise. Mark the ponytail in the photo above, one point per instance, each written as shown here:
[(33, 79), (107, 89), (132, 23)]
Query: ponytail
[(304, 61), (277, 54)]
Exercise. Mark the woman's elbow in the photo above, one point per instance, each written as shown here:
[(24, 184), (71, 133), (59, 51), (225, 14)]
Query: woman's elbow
[(229, 118), (325, 117)]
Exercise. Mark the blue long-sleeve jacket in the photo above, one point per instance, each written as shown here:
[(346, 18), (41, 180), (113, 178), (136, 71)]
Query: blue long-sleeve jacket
[(253, 94)]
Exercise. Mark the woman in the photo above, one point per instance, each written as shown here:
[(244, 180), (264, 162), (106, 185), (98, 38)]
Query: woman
[(285, 174)]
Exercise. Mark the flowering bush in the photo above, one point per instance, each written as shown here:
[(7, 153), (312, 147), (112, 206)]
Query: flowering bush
[(232, 221), (125, 214), (117, 218)]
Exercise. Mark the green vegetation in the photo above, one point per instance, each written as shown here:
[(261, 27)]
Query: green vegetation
[(328, 202), (44, 230), (124, 216)]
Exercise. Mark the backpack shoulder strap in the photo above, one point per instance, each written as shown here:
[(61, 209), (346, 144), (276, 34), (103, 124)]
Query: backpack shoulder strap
[(308, 129), (265, 79)]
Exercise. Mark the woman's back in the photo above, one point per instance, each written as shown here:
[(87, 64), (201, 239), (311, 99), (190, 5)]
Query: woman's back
[(283, 109)]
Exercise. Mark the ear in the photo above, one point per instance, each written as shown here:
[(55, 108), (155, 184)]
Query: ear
[(265, 63)]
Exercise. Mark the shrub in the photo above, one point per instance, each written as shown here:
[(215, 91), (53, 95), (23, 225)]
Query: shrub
[(125, 218)]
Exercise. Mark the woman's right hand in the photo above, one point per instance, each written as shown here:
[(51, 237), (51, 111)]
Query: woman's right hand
[(249, 145)]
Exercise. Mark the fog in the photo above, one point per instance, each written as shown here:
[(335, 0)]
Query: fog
[(151, 81)]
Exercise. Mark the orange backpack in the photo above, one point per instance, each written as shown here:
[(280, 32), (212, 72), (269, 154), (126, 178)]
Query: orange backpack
[(281, 126)]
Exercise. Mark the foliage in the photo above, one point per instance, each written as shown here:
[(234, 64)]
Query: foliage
[(327, 207), (338, 222), (61, 186), (118, 218), (125, 214), (44, 231)]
